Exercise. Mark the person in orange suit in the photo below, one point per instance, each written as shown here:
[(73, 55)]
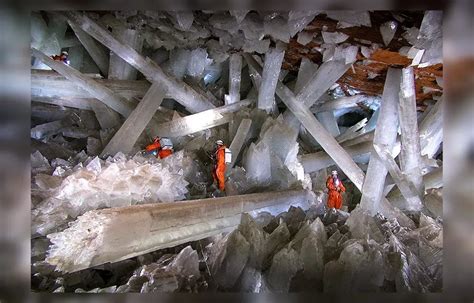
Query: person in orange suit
[(218, 173), (156, 149), (335, 188), (63, 57)]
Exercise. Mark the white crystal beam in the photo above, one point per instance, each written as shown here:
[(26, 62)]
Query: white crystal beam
[(125, 138), (102, 93), (407, 188), (239, 139), (235, 69), (119, 68), (270, 74), (47, 85), (410, 156), (200, 121), (385, 135), (330, 145), (177, 90), (316, 161), (431, 130), (97, 52), (115, 234)]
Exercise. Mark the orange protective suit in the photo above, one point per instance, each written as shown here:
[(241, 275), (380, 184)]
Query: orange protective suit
[(156, 146), (218, 173), (61, 58), (335, 197)]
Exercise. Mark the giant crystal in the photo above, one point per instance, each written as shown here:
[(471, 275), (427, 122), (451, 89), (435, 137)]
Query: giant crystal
[(235, 68), (360, 267), (104, 94), (431, 130), (119, 68), (127, 135), (178, 90), (115, 234), (200, 121), (239, 139), (410, 156), (112, 183), (97, 52), (386, 134), (271, 71)]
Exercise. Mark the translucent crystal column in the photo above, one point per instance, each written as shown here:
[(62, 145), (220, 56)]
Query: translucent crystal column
[(385, 135), (270, 74), (115, 234), (177, 90), (410, 156), (127, 135), (97, 52), (102, 93)]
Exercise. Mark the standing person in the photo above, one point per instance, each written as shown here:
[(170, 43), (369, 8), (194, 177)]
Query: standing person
[(161, 147), (218, 172), (335, 188)]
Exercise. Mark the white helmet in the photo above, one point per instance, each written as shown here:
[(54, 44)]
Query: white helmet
[(334, 172), (220, 142), (65, 53)]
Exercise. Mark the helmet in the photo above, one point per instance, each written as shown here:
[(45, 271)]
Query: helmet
[(65, 53), (219, 142), (334, 172)]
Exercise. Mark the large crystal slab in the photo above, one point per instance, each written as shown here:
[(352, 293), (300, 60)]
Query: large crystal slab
[(388, 30), (316, 161), (338, 104), (104, 94), (328, 120), (406, 186), (312, 252), (410, 274), (112, 183), (47, 129), (354, 18), (235, 68), (316, 86), (256, 237), (258, 163), (334, 37), (120, 233), (270, 74), (119, 68), (52, 87), (330, 145), (228, 259), (200, 121), (385, 134), (305, 72), (125, 138), (178, 90), (239, 139), (298, 20), (284, 266), (105, 115), (197, 63), (97, 52), (360, 267), (308, 120), (410, 156), (431, 130), (277, 28)]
